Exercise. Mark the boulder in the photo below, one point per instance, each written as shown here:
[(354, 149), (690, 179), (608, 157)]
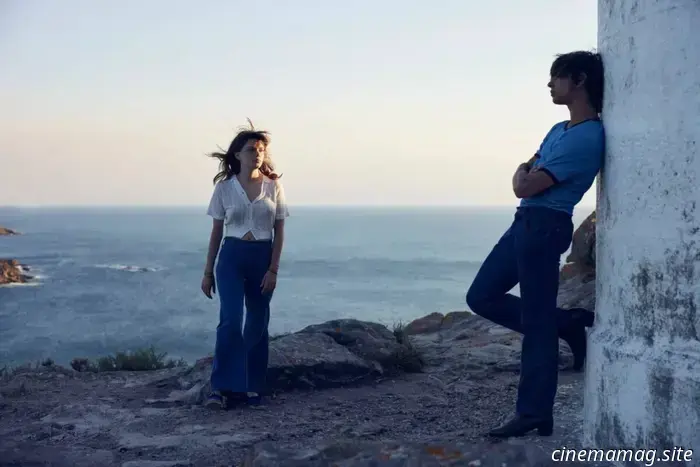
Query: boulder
[(583, 243), (455, 317), (436, 322), (426, 324), (577, 276), (577, 291), (311, 360), (332, 354), (355, 453), (568, 271), (11, 271), (370, 341)]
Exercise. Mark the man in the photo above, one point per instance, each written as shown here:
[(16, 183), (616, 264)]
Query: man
[(549, 186)]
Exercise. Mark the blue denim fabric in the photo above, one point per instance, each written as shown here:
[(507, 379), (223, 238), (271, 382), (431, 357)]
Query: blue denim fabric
[(528, 253), (241, 353)]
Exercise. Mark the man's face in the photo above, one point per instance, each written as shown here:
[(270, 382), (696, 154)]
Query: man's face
[(561, 88)]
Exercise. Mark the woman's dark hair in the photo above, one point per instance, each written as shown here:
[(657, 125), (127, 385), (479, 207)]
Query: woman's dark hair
[(576, 65), (229, 165)]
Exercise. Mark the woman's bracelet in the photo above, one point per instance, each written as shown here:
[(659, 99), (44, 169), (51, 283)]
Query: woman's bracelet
[(273, 272), (208, 274)]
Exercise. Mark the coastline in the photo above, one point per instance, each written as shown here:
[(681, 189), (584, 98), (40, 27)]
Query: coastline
[(342, 391)]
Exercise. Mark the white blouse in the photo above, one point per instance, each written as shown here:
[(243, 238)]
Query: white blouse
[(231, 204)]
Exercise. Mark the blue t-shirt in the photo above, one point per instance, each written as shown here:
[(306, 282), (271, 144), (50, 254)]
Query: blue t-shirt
[(572, 157)]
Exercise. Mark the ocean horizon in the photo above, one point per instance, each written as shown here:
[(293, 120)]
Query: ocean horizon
[(115, 278)]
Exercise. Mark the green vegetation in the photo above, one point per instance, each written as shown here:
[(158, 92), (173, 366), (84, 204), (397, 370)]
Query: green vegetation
[(408, 358), (8, 371), (138, 360)]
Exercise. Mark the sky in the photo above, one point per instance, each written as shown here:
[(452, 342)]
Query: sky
[(368, 102)]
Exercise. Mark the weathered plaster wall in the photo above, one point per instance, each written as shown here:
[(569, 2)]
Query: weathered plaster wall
[(643, 372)]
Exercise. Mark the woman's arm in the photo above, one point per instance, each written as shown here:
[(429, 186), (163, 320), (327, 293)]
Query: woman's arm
[(277, 244), (217, 233), (281, 213)]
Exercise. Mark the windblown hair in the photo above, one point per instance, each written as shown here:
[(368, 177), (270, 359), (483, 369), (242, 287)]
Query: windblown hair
[(229, 165), (581, 65)]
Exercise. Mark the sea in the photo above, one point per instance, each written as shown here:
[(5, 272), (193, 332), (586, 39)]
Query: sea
[(113, 279)]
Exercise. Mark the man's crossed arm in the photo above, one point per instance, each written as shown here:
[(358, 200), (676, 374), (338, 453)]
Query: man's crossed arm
[(529, 182)]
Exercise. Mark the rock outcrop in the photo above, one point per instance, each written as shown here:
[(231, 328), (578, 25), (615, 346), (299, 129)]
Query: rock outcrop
[(577, 278), (6, 231), (11, 271), (583, 245)]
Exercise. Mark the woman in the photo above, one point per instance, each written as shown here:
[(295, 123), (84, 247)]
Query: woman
[(248, 206)]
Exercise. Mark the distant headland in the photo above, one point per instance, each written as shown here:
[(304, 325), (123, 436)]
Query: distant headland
[(11, 271), (6, 231)]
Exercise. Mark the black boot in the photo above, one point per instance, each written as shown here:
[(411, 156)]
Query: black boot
[(575, 336), (581, 316), (233, 399), (520, 426)]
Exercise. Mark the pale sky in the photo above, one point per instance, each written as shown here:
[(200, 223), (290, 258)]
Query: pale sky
[(368, 102)]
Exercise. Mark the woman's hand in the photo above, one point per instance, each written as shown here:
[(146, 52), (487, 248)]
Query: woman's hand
[(208, 285), (269, 282)]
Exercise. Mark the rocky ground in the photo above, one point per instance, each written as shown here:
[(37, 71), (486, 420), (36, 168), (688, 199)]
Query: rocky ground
[(467, 385), (346, 393)]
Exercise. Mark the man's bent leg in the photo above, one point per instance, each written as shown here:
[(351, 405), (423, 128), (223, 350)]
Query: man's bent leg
[(488, 295)]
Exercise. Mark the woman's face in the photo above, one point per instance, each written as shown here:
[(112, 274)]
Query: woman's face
[(252, 154)]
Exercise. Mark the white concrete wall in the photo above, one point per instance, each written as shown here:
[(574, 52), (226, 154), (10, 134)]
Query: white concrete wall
[(643, 370)]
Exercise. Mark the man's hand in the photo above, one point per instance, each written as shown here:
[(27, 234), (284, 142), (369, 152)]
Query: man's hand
[(528, 165), (530, 183), (525, 166)]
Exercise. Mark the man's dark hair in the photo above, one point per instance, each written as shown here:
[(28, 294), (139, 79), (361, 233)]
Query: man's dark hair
[(575, 64)]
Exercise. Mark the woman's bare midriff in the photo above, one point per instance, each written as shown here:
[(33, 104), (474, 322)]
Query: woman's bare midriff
[(248, 236)]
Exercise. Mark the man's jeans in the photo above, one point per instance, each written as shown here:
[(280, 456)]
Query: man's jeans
[(528, 253)]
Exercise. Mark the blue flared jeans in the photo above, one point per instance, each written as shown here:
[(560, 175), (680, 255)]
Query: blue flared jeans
[(242, 339)]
